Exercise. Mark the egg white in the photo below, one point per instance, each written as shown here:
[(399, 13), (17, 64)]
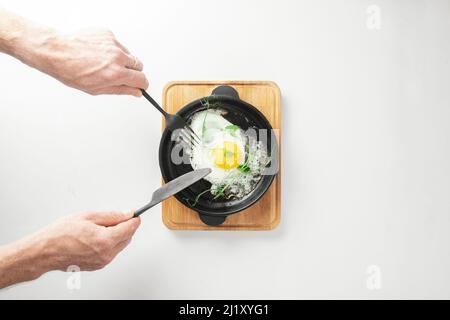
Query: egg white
[(211, 126), (235, 180)]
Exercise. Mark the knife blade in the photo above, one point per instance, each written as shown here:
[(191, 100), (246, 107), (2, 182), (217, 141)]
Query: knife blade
[(173, 187)]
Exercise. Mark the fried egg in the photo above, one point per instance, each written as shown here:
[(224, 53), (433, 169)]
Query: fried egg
[(222, 147), (236, 160)]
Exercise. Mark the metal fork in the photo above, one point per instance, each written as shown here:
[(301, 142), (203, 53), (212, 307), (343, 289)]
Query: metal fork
[(174, 122)]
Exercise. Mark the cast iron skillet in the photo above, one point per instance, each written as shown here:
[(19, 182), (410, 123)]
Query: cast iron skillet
[(241, 113)]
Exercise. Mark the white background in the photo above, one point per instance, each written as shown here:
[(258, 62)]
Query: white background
[(366, 138)]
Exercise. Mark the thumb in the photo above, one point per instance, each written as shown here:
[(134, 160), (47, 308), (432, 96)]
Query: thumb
[(108, 219)]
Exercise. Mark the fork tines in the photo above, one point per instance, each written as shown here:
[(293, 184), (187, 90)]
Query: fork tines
[(193, 134), (188, 136)]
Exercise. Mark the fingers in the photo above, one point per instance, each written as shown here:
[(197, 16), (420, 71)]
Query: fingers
[(135, 79), (131, 76), (124, 230), (132, 62), (121, 46), (121, 90), (107, 219)]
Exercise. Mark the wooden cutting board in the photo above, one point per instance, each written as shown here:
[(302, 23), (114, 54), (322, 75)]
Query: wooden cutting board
[(266, 213)]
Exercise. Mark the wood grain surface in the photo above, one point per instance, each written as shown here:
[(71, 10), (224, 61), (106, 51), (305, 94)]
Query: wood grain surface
[(266, 213)]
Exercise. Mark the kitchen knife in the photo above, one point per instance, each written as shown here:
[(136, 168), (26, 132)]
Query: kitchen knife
[(173, 187)]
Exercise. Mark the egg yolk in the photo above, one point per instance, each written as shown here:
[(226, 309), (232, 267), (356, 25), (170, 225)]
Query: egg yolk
[(228, 156)]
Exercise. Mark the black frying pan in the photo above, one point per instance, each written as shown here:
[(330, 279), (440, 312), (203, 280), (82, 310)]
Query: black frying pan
[(214, 212)]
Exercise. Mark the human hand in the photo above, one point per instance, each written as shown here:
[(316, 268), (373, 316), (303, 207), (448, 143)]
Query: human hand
[(93, 61), (90, 60), (89, 240)]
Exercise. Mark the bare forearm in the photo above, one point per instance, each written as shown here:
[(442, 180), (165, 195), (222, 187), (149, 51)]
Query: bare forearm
[(25, 40), (23, 260), (10, 31)]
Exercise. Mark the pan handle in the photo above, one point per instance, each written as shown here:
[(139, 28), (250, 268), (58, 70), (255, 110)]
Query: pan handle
[(226, 91), (212, 221)]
